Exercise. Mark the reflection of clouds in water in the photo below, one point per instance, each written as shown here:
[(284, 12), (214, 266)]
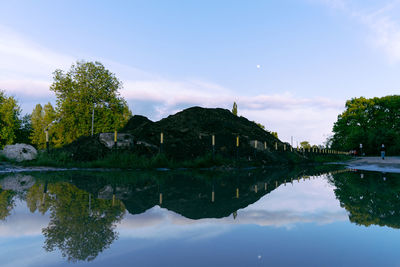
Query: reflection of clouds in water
[(22, 222), (310, 196), (310, 201)]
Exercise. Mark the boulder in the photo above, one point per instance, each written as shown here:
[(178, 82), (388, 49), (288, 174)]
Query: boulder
[(20, 152), (123, 140)]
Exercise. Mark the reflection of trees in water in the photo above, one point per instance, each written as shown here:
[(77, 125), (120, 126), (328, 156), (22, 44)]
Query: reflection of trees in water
[(6, 203), (80, 226), (38, 199), (370, 198)]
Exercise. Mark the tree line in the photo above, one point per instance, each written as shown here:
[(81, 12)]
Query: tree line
[(370, 122), (87, 101)]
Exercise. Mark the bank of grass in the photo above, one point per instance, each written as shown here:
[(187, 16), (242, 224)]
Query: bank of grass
[(128, 160), (329, 158), (124, 160)]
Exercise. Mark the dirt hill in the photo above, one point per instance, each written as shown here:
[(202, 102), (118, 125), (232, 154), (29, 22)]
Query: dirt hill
[(188, 134)]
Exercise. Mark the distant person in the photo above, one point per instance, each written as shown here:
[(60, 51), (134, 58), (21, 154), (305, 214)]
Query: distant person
[(383, 150)]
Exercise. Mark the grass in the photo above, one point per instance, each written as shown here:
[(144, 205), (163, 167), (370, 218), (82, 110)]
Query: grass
[(128, 160), (329, 158), (124, 160)]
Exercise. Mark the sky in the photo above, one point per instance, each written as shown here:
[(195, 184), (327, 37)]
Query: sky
[(290, 64)]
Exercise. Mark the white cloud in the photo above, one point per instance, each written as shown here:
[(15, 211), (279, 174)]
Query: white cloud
[(382, 21), (26, 72)]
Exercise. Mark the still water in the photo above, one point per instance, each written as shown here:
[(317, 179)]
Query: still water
[(322, 216)]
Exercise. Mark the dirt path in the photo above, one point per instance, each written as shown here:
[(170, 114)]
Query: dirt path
[(389, 164)]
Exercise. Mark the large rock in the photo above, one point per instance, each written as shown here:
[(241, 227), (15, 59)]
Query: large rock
[(123, 140), (20, 152)]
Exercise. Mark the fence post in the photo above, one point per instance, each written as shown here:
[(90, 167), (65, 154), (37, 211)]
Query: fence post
[(255, 149), (237, 147), (47, 141), (276, 145), (213, 144), (161, 142), (115, 138)]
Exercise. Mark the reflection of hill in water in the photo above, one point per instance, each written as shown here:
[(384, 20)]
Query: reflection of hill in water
[(194, 195), (84, 207), (370, 198)]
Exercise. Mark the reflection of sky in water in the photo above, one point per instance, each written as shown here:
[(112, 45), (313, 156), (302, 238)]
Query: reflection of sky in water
[(297, 224)]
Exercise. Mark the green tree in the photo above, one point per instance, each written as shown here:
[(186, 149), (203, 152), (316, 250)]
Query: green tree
[(371, 122), (305, 145), (235, 109), (86, 88), (37, 135), (41, 120), (25, 130), (9, 119)]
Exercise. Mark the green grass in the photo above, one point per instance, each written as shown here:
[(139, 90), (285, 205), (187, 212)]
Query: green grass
[(128, 160), (123, 160), (329, 158)]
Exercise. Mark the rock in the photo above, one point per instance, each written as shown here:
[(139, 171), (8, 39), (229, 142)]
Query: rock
[(20, 152), (123, 140)]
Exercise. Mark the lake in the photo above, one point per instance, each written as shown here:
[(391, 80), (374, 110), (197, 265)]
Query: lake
[(314, 216)]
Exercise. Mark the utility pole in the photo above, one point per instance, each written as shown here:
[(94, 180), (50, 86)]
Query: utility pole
[(92, 118)]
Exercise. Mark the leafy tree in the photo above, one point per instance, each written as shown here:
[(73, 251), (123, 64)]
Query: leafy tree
[(37, 135), (235, 109), (41, 119), (371, 122), (87, 87), (25, 130), (9, 119), (305, 145)]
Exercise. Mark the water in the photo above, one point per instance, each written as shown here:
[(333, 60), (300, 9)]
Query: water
[(324, 216)]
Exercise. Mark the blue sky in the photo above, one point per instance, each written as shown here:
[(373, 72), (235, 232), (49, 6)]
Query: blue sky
[(313, 55)]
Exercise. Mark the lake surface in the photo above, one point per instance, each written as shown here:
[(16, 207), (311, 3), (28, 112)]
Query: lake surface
[(320, 216)]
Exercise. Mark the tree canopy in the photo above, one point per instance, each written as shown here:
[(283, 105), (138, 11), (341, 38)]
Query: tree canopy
[(41, 119), (87, 86), (9, 119), (370, 122)]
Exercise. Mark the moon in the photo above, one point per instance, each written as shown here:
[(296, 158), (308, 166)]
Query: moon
[(258, 66)]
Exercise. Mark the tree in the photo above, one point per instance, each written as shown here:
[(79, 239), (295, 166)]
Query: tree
[(87, 88), (305, 144), (275, 134), (371, 122), (9, 119), (37, 135), (234, 109), (41, 119), (25, 130)]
